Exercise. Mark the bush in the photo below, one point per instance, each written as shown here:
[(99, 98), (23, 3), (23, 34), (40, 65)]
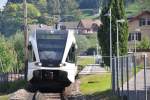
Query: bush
[(144, 44), (8, 55)]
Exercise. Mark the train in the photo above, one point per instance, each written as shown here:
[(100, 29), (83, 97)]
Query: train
[(51, 59)]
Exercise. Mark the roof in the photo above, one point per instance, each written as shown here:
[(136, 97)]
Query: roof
[(132, 18), (69, 25), (39, 26), (87, 23)]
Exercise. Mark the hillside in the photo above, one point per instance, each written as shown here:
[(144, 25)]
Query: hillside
[(138, 6)]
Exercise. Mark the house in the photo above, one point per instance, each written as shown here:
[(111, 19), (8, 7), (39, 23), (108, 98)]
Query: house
[(139, 27), (88, 26), (69, 26)]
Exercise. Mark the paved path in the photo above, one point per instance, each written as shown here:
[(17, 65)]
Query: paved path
[(92, 69), (140, 93)]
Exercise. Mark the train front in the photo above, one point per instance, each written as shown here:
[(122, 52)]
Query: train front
[(51, 59)]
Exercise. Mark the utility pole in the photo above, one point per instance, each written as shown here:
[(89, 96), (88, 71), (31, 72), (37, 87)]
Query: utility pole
[(25, 39)]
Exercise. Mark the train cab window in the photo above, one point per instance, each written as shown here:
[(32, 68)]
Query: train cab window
[(71, 58), (31, 55)]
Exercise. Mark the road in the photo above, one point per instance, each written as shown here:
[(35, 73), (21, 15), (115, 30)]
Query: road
[(92, 69), (140, 92)]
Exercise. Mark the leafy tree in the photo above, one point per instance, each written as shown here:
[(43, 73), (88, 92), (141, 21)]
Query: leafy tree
[(17, 41), (144, 44), (12, 18), (67, 6), (8, 55), (41, 5), (118, 12), (53, 7), (85, 43)]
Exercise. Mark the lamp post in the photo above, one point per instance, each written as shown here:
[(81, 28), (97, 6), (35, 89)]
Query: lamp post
[(110, 37), (25, 37), (118, 21)]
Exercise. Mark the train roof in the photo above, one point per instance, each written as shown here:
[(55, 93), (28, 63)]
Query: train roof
[(44, 31)]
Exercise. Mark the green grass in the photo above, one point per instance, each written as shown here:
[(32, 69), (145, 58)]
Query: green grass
[(137, 7), (83, 61), (12, 86), (5, 97), (87, 13), (97, 86), (95, 83)]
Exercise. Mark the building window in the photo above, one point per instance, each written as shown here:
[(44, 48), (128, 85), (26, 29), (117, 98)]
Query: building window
[(142, 22), (135, 36), (148, 22)]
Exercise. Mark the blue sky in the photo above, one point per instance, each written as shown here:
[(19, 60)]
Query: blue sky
[(2, 3)]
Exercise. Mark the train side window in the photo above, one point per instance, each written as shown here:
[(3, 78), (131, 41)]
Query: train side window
[(31, 55), (71, 58)]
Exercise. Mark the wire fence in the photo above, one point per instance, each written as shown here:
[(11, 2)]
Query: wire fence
[(11, 81), (130, 77)]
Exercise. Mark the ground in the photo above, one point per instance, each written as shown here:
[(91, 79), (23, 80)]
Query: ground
[(97, 86)]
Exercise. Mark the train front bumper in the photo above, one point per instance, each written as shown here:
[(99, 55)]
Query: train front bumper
[(71, 71)]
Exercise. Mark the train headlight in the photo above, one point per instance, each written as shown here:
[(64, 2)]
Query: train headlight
[(62, 65), (38, 64)]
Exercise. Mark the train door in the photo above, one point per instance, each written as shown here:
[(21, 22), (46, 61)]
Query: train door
[(71, 63)]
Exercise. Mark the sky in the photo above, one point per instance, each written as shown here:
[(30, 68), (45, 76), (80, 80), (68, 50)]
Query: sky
[(2, 3)]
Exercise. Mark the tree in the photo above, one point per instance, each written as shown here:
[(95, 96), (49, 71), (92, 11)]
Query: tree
[(144, 44), (12, 18), (68, 6), (17, 41), (53, 7), (118, 12), (8, 59)]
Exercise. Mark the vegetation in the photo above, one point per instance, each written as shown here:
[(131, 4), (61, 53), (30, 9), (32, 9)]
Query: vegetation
[(118, 12), (144, 43), (5, 97), (12, 86), (137, 6), (12, 18), (95, 83), (7, 56), (11, 53), (83, 61), (86, 43)]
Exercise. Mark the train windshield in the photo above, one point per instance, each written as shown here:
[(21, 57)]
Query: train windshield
[(51, 48)]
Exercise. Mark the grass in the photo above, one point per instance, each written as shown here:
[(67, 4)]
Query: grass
[(137, 7), (83, 61), (97, 86), (7, 88), (5, 97), (87, 13), (12, 86), (95, 83)]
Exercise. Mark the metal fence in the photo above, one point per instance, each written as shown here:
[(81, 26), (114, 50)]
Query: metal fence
[(10, 81), (130, 77)]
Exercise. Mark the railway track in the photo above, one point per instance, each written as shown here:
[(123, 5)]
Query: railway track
[(45, 96), (25, 95)]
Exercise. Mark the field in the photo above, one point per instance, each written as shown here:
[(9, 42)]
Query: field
[(87, 13), (85, 60), (5, 97), (97, 86)]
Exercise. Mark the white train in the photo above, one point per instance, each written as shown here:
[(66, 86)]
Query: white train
[(52, 58)]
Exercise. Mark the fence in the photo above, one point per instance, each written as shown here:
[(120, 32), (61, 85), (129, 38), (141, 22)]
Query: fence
[(11, 81), (130, 77)]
